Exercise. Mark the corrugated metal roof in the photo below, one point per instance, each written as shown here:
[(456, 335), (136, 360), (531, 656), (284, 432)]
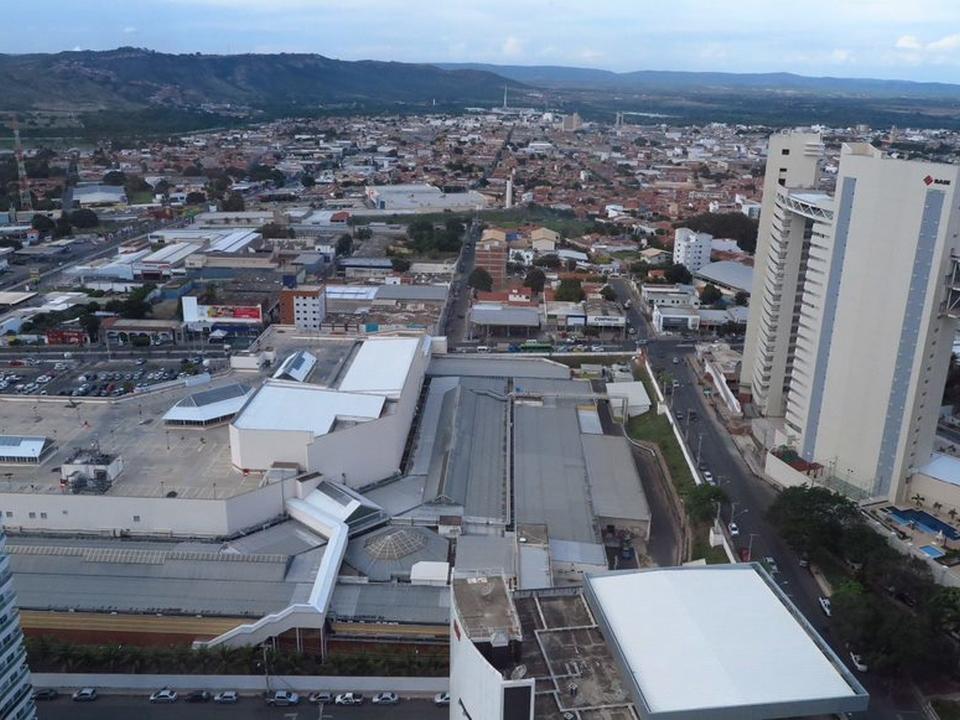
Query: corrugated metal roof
[(550, 476), (517, 367), (208, 405), (296, 367), (727, 272), (27, 447), (391, 602), (615, 487), (427, 293), (502, 317)]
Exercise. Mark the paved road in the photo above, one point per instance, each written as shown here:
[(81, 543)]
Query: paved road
[(749, 496), (117, 707), (456, 328)]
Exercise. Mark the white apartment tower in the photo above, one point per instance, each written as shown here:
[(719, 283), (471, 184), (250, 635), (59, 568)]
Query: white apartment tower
[(849, 337), (16, 694), (691, 249)]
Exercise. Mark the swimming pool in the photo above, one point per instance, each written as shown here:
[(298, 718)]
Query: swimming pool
[(932, 551), (924, 521)]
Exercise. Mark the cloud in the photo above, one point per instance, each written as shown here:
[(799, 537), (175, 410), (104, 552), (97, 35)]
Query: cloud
[(950, 42), (129, 30), (947, 43), (591, 55), (512, 46), (839, 55), (908, 42)]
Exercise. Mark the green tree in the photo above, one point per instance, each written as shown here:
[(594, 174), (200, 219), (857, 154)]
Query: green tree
[(233, 203), (678, 274), (480, 279), (701, 501), (549, 261), (91, 325), (608, 293), (810, 519), (62, 227), (84, 218), (710, 295), (400, 264), (42, 224), (742, 298), (345, 244), (569, 291), (115, 177), (735, 226), (271, 231), (535, 279), (196, 198), (307, 181)]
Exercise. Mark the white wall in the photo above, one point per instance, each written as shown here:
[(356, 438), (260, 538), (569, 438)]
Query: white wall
[(258, 449), (776, 470), (108, 514)]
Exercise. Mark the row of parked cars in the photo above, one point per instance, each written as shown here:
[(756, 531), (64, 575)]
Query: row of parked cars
[(278, 698)]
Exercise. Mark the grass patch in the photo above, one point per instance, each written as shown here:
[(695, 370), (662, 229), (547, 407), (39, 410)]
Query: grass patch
[(144, 197), (565, 223), (654, 428), (946, 709), (701, 548)]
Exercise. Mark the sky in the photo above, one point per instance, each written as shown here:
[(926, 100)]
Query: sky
[(901, 39)]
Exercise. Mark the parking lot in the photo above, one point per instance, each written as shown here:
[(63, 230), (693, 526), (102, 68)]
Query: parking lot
[(94, 377), (122, 707)]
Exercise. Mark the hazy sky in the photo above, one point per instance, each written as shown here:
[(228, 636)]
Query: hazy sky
[(910, 39)]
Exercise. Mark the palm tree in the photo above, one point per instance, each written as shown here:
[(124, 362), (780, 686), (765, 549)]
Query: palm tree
[(952, 514), (937, 507), (918, 499)]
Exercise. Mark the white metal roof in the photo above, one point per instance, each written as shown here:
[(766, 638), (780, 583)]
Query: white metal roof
[(942, 467), (724, 626), (281, 405), (296, 367), (25, 447), (381, 365), (208, 405)]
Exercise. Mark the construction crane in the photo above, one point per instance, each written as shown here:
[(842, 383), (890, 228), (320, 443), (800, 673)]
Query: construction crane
[(26, 203)]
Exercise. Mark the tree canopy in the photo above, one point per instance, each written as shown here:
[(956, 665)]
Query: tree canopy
[(344, 244), (569, 291), (710, 295), (735, 226), (480, 279), (535, 279), (678, 274)]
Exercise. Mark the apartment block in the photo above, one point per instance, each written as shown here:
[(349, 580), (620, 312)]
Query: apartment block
[(304, 306), (16, 694), (491, 255), (691, 249), (849, 340)]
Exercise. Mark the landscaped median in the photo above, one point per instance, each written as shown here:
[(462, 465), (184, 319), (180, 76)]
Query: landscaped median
[(698, 502)]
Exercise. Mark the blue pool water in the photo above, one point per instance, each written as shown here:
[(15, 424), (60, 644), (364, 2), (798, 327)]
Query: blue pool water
[(931, 551), (924, 521)]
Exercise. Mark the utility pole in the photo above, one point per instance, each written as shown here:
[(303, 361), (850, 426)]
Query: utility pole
[(750, 547), (699, 446)]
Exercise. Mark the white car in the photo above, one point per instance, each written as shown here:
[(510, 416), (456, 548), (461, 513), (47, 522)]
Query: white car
[(283, 698), (226, 697), (386, 698), (708, 478), (349, 698), (858, 662), (164, 696), (441, 699), (734, 530), (87, 694), (825, 605)]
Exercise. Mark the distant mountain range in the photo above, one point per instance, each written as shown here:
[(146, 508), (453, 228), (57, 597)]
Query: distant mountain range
[(132, 78), (137, 91), (574, 78)]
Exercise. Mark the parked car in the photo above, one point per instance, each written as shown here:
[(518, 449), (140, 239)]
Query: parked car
[(858, 662), (226, 697), (87, 694), (825, 605), (349, 698), (199, 696), (441, 699), (283, 698), (321, 697), (708, 478), (45, 694), (804, 561), (676, 361), (386, 698), (166, 695), (734, 530)]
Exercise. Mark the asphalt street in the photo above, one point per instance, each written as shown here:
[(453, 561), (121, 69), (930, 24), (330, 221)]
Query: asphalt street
[(123, 707), (749, 496)]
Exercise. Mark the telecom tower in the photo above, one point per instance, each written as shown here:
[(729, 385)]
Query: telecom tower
[(25, 202)]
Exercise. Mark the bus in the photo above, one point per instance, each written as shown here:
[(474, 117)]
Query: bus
[(533, 346)]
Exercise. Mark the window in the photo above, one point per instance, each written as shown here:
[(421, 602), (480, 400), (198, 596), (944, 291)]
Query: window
[(136, 518), (43, 516), (33, 516), (785, 151)]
